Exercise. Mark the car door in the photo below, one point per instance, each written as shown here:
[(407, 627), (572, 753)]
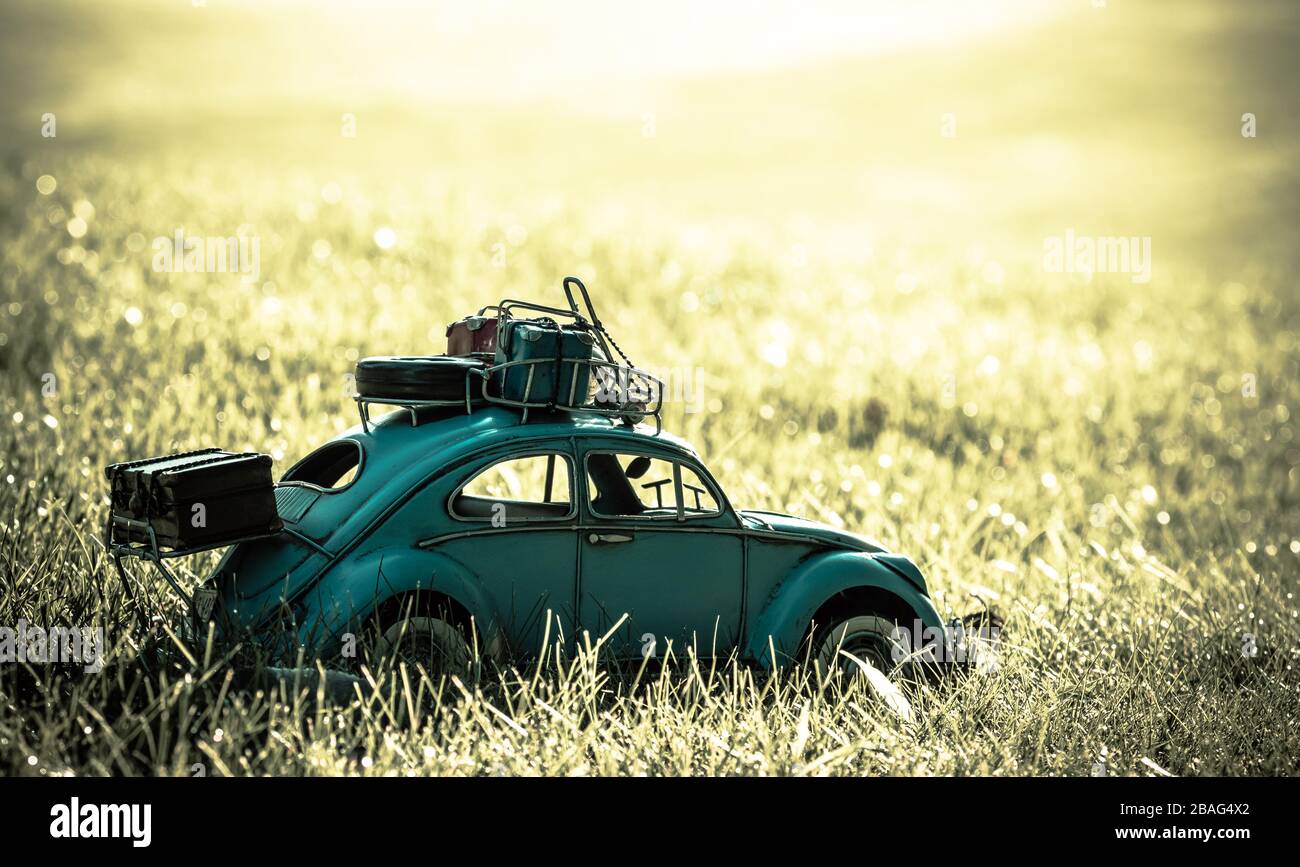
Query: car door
[(659, 544), (519, 519)]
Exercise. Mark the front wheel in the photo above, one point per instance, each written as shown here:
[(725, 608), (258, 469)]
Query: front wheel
[(874, 639)]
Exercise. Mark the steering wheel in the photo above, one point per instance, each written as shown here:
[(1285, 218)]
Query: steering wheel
[(658, 488), (696, 491)]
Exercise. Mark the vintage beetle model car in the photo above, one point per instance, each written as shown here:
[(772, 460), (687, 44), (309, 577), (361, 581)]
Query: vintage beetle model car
[(474, 527)]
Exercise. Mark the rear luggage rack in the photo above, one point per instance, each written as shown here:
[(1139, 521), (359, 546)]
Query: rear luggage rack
[(623, 393), (153, 552)]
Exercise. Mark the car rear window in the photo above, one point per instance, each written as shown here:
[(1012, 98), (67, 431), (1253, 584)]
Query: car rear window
[(331, 467)]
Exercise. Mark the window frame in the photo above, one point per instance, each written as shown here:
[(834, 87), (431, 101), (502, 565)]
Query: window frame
[(516, 456), (680, 515)]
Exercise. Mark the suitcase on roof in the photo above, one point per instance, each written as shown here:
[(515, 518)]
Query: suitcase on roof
[(552, 371), (473, 335)]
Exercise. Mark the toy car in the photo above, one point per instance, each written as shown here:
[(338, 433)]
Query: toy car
[(480, 528)]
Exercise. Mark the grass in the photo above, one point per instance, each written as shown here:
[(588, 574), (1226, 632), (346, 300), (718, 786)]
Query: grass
[(1113, 466), (1104, 483)]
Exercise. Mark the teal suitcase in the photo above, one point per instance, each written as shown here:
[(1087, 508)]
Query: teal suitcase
[(554, 375)]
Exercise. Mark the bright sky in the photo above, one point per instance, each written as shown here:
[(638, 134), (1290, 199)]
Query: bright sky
[(519, 49)]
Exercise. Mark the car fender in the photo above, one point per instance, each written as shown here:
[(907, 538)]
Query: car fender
[(789, 609), (350, 591)]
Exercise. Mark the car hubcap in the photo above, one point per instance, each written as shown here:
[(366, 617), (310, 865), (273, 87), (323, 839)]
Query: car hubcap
[(869, 638), (869, 647), (428, 643)]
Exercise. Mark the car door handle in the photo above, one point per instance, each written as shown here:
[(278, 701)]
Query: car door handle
[(609, 538)]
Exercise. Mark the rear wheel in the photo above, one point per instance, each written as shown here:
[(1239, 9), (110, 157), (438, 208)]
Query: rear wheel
[(429, 642)]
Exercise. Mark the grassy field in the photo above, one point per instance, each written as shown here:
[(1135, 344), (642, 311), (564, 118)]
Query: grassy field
[(1113, 465)]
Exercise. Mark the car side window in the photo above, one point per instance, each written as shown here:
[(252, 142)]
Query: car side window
[(529, 488), (643, 486), (696, 497)]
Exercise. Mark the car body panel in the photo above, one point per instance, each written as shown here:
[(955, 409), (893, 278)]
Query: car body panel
[(788, 611), (341, 603), (744, 581)]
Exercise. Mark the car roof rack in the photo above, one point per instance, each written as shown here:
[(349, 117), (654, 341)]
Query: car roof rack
[(623, 393)]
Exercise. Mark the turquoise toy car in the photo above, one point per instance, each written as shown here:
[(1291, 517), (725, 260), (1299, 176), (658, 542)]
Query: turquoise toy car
[(446, 530)]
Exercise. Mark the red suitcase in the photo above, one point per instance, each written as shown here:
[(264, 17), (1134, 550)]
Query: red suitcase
[(473, 335)]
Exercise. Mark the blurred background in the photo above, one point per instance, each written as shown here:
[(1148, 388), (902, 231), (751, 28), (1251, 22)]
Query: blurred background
[(919, 120), (835, 212)]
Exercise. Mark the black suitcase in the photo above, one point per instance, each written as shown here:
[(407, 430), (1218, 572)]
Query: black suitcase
[(128, 481), (193, 499)]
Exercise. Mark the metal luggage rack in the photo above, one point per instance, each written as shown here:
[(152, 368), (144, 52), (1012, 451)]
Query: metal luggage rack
[(625, 381), (411, 406), (154, 553)]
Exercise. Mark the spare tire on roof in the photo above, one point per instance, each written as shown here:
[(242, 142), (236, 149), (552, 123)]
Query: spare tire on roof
[(418, 377)]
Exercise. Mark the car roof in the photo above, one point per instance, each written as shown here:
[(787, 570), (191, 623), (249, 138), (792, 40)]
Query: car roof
[(393, 439)]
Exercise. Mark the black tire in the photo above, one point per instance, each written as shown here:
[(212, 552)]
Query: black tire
[(417, 377), (872, 637), (421, 632)]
